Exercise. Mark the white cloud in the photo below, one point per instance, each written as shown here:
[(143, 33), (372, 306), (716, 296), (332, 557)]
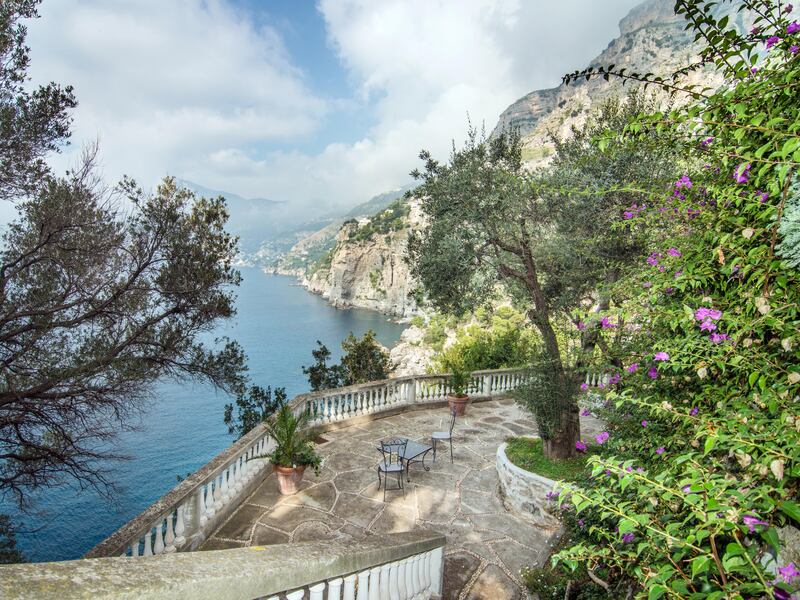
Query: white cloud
[(194, 89)]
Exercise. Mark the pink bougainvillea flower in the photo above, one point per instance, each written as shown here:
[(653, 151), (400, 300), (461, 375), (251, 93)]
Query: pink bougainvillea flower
[(580, 446), (771, 41), (584, 386), (788, 573), (674, 252), (741, 174), (751, 522), (707, 325), (793, 27), (602, 437), (661, 356), (652, 373), (585, 413), (605, 323), (660, 450), (632, 368), (644, 423), (704, 314), (718, 338)]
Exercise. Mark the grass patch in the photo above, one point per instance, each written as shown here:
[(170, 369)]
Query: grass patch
[(527, 454)]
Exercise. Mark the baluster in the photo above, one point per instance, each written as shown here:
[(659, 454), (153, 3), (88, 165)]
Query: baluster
[(374, 583), (135, 549), (417, 577), (394, 588), (226, 492), (385, 582), (315, 591), (180, 526), (158, 545), (169, 535), (147, 550), (409, 569), (335, 589), (436, 570), (401, 579), (216, 494), (349, 591), (363, 586), (426, 571), (296, 595)]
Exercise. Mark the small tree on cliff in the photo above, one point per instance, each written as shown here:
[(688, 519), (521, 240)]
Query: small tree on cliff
[(364, 359)]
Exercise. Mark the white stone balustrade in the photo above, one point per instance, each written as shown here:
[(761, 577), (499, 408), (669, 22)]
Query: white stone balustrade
[(402, 566), (183, 518)]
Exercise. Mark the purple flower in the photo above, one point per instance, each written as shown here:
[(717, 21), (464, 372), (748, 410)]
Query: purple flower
[(580, 446), (585, 413), (741, 174), (762, 196), (694, 411), (751, 522), (781, 594), (793, 27), (601, 437), (788, 8), (652, 373), (628, 215), (754, 70), (662, 356), (788, 572), (647, 285), (606, 324), (629, 469), (632, 368), (703, 314), (755, 31), (660, 450), (674, 252), (652, 260), (684, 182), (639, 470), (687, 489), (581, 325), (580, 523), (584, 386), (718, 338), (707, 325), (614, 379), (771, 41), (627, 538), (794, 48), (644, 423), (707, 141), (552, 495)]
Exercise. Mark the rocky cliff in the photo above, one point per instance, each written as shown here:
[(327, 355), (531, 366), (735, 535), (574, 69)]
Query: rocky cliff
[(366, 267)]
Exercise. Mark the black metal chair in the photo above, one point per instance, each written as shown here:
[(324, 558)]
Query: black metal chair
[(393, 452), (442, 436)]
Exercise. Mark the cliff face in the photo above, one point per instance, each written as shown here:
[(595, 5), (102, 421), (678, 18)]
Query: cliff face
[(652, 40), (366, 268)]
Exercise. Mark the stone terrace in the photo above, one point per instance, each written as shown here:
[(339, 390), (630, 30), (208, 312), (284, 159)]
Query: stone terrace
[(486, 545)]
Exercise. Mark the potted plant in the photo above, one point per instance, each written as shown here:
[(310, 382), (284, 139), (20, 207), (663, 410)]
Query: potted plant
[(459, 382), (294, 449)]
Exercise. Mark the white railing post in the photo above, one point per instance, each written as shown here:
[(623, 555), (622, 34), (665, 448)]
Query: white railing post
[(335, 589), (436, 570), (375, 583), (363, 585), (316, 591)]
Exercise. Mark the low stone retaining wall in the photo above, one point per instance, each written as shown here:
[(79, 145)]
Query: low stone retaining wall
[(525, 492)]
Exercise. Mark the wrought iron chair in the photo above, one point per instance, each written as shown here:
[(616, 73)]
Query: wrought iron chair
[(393, 452), (444, 436)]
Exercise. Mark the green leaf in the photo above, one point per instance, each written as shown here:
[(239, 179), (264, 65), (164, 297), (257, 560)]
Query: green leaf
[(709, 445), (700, 565), (791, 509)]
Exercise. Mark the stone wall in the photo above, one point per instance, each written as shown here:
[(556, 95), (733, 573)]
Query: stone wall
[(525, 492)]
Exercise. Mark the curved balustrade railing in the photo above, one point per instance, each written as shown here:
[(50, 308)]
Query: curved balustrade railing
[(183, 518)]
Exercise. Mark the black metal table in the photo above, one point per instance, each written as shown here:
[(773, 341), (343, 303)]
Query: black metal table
[(414, 452)]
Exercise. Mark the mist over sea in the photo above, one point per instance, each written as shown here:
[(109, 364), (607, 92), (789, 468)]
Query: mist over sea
[(278, 324)]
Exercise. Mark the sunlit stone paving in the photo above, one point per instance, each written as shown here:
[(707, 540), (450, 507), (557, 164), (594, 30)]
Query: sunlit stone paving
[(486, 544)]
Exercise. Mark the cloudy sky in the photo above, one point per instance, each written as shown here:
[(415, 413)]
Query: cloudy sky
[(318, 104)]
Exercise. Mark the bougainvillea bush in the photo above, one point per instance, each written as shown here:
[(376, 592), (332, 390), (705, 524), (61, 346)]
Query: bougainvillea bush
[(699, 476)]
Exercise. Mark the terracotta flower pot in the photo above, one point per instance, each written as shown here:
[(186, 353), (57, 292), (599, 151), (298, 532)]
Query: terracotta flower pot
[(289, 478), (458, 404)]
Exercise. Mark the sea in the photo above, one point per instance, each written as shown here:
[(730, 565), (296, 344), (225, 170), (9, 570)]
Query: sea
[(278, 324)]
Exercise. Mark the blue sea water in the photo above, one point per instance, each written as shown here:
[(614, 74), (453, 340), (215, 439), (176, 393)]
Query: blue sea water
[(278, 324)]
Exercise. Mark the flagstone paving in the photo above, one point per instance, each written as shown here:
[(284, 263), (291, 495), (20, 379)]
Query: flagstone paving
[(486, 544)]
